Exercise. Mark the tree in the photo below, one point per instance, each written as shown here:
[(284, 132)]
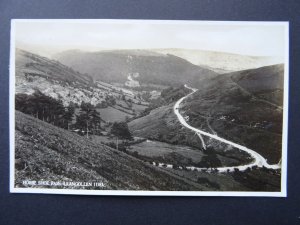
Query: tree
[(96, 121), (146, 96), (88, 119), (120, 130), (21, 103), (110, 100), (68, 116)]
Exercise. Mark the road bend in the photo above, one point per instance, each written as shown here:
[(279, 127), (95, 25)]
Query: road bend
[(258, 160)]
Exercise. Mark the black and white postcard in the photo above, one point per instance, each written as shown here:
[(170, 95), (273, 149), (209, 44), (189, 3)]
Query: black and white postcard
[(148, 107)]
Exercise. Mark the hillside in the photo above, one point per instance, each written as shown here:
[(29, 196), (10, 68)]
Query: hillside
[(34, 72), (148, 67), (265, 83), (45, 152), (235, 111), (230, 105)]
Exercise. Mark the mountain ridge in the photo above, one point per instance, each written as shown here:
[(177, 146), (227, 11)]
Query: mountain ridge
[(154, 68), (222, 62)]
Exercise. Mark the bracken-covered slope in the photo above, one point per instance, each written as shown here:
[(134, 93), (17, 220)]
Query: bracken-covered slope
[(45, 152), (29, 64), (150, 67)]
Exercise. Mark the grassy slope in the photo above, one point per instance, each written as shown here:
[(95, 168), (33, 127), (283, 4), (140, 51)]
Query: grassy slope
[(162, 125), (265, 82), (45, 152), (110, 114), (249, 121)]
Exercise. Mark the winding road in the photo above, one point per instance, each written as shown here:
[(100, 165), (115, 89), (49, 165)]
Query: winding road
[(258, 160)]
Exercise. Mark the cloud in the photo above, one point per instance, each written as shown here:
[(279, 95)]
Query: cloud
[(240, 38)]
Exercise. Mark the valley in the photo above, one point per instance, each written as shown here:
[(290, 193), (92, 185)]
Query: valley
[(147, 120)]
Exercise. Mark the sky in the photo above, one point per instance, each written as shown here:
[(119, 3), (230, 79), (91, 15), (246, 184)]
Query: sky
[(48, 37)]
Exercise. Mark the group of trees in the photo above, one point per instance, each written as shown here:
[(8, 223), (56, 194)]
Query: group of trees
[(50, 110), (45, 108), (110, 100), (53, 111), (120, 130)]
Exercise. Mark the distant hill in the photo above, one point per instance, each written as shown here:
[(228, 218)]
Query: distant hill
[(45, 152), (149, 67), (240, 107), (221, 62)]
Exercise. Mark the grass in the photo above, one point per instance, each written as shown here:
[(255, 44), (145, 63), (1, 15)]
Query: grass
[(110, 114), (138, 108), (165, 150)]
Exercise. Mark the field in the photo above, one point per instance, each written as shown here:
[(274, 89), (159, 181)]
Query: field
[(160, 149), (110, 114)]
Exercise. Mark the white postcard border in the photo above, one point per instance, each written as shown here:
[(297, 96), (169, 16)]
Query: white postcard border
[(13, 189)]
